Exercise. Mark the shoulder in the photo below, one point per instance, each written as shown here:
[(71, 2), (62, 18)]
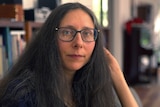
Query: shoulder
[(18, 94), (24, 101)]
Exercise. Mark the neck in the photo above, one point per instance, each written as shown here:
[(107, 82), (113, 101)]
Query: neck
[(68, 97), (69, 77)]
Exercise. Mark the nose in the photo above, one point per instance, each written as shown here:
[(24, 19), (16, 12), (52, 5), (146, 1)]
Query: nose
[(77, 41)]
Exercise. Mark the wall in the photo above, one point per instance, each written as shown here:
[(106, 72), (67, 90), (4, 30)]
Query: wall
[(119, 14), (87, 3), (29, 4)]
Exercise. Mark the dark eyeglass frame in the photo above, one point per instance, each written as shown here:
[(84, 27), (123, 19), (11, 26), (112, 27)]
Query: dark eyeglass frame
[(95, 35)]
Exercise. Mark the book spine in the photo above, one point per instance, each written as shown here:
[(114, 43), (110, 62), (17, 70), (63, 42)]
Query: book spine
[(7, 43), (18, 43), (3, 59)]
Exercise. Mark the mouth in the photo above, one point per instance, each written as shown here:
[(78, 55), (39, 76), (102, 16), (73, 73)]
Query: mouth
[(76, 56)]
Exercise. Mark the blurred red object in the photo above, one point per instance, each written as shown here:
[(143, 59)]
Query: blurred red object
[(128, 25)]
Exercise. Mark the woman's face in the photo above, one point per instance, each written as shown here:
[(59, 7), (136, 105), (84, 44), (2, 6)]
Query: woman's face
[(76, 53)]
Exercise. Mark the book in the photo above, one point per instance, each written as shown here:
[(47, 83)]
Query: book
[(18, 43), (3, 60), (3, 64), (1, 57), (7, 43)]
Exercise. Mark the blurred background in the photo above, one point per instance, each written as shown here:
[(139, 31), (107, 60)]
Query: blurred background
[(131, 32)]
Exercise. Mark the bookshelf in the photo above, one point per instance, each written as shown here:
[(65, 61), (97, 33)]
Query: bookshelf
[(14, 24), (29, 27), (6, 47)]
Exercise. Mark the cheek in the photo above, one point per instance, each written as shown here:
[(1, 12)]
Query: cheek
[(62, 47), (89, 48)]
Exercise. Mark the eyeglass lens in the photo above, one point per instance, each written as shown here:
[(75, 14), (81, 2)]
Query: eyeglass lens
[(68, 34)]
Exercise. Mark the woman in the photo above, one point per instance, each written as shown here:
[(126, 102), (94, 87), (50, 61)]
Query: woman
[(65, 66)]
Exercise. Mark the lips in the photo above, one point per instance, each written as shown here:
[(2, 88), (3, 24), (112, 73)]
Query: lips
[(76, 56)]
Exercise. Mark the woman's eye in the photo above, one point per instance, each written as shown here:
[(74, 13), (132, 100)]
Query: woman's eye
[(66, 32), (87, 33)]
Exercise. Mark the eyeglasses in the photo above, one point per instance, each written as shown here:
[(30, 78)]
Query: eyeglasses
[(68, 34)]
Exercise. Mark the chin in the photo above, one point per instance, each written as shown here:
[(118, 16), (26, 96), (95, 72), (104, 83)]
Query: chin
[(73, 68)]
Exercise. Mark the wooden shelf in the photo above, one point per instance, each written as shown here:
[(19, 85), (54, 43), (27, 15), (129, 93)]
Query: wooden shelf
[(11, 24), (28, 26)]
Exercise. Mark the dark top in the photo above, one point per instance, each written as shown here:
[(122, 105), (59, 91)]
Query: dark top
[(25, 101), (18, 98), (19, 94)]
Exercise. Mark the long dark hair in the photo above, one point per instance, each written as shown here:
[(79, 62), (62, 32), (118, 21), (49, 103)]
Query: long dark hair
[(39, 69)]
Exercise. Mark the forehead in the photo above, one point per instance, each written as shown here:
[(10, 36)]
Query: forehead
[(77, 17)]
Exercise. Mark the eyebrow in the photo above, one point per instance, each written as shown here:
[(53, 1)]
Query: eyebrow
[(72, 27)]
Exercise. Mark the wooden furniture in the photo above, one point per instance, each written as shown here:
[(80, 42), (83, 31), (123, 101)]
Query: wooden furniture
[(27, 26), (12, 12), (133, 52), (14, 24), (12, 47)]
